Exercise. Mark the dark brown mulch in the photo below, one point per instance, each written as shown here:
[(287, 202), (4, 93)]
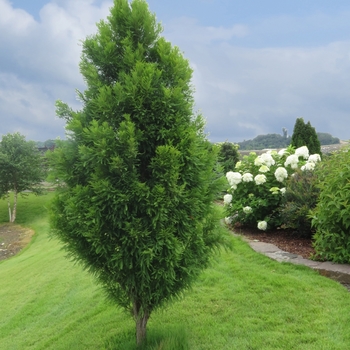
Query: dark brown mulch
[(285, 240)]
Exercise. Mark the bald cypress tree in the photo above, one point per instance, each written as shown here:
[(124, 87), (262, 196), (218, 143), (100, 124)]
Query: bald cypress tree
[(136, 202)]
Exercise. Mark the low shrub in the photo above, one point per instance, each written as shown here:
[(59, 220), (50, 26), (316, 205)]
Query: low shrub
[(331, 217), (300, 197)]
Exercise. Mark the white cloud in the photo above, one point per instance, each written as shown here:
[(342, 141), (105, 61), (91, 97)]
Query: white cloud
[(246, 91), (16, 21), (242, 88), (41, 63), (26, 108)]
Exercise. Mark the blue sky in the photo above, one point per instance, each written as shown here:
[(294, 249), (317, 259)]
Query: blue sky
[(258, 65)]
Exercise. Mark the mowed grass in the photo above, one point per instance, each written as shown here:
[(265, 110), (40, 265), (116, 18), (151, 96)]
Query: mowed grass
[(244, 301)]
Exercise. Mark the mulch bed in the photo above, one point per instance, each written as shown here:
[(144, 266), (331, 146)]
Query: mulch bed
[(286, 240)]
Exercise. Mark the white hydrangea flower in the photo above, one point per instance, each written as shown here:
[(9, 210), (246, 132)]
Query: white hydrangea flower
[(281, 174), (247, 177), (267, 159), (302, 151), (308, 166), (283, 190), (233, 178), (282, 152), (262, 225), (260, 179), (258, 161), (292, 160), (234, 187), (227, 198), (228, 220), (247, 209), (264, 169), (314, 158)]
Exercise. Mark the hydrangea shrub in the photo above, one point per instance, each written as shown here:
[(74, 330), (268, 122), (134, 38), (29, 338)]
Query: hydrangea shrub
[(257, 186)]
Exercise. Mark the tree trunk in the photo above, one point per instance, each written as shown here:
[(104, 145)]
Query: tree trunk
[(14, 210), (9, 207), (141, 323)]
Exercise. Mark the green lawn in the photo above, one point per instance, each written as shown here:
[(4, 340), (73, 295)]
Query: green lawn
[(244, 301)]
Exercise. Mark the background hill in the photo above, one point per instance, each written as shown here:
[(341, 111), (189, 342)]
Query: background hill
[(281, 141)]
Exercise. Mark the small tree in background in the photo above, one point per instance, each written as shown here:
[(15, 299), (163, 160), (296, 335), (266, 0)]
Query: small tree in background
[(298, 136), (136, 202), (228, 155), (305, 135), (21, 168)]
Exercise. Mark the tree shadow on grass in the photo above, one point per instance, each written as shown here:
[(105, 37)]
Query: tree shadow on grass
[(160, 339)]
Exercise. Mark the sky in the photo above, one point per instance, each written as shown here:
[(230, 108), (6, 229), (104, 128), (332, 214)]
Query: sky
[(257, 65)]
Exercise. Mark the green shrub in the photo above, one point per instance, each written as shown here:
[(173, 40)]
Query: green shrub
[(331, 217), (301, 195)]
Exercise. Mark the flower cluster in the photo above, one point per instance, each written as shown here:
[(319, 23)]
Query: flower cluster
[(262, 225), (259, 183), (233, 178), (281, 174), (311, 162), (260, 179)]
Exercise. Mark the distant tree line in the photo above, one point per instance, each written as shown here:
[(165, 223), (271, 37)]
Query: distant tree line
[(265, 141), (45, 145), (327, 139), (279, 141)]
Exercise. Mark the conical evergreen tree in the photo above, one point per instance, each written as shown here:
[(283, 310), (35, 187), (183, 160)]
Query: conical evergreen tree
[(305, 135), (298, 136), (313, 144), (136, 203)]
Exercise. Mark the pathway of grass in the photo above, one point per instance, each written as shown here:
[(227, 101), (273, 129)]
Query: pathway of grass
[(244, 301)]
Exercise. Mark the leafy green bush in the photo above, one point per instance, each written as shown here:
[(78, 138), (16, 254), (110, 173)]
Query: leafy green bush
[(301, 195), (331, 217), (258, 185)]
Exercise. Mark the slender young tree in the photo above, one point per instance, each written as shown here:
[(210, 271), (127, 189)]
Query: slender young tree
[(228, 155), (21, 168), (136, 202)]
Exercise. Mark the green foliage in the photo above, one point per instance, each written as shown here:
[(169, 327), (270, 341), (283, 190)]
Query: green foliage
[(331, 217), (21, 168), (228, 155), (300, 197), (265, 141), (305, 135), (136, 202)]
